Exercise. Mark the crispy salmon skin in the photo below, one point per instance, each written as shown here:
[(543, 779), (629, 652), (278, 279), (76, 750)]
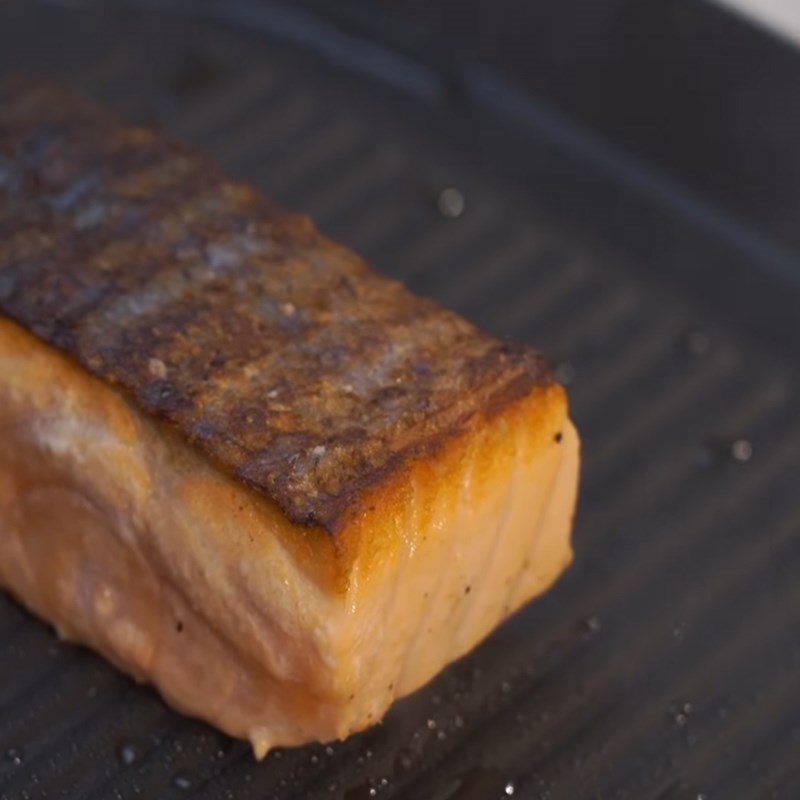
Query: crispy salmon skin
[(240, 463)]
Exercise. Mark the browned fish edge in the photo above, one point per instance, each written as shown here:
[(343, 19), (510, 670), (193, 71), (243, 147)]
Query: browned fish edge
[(280, 354)]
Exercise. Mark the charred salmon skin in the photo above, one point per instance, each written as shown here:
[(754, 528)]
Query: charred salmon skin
[(236, 461)]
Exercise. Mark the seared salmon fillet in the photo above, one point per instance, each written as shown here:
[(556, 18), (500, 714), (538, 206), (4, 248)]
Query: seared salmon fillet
[(235, 460)]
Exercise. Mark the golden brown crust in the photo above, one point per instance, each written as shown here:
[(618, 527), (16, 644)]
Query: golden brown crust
[(128, 540), (278, 353)]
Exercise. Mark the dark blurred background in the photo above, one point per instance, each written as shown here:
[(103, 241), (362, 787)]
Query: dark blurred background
[(696, 92)]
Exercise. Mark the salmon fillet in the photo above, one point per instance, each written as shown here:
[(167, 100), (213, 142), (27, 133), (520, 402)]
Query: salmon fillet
[(235, 460)]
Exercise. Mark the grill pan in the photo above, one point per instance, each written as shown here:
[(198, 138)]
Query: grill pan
[(666, 663)]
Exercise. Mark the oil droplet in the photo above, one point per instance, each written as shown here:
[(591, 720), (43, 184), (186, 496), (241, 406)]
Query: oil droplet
[(681, 713), (590, 627), (714, 453), (431, 723), (509, 790), (592, 624), (328, 751), (505, 687), (128, 753), (361, 792), (182, 780), (458, 721), (741, 451), (451, 203), (14, 755)]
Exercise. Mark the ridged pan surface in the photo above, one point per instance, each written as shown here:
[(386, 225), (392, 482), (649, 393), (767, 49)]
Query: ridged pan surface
[(666, 663)]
